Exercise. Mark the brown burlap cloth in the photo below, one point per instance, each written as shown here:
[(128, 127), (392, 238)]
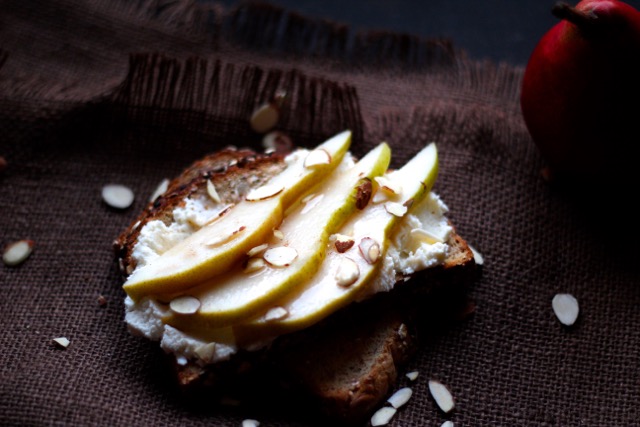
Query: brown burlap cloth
[(100, 91)]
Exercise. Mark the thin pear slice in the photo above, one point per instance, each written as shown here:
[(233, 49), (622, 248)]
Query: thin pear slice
[(330, 288), (216, 247), (240, 295)]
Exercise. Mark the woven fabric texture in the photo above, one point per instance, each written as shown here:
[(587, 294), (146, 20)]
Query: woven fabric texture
[(131, 92)]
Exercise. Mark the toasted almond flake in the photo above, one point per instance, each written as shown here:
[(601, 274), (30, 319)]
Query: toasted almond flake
[(205, 352), (441, 395), (382, 416), (61, 342), (379, 197), (224, 238), (312, 203), (264, 118), (254, 264), (280, 256), (347, 272), (403, 331), (566, 308), (343, 243), (277, 142), (413, 375), (278, 234), (257, 250), (400, 397), (211, 191), (317, 157), (250, 423), (160, 189), (264, 192), (396, 209), (422, 235), (388, 186), (369, 249), (364, 190), (477, 256), (117, 196), (17, 252), (276, 313), (185, 305), (447, 424)]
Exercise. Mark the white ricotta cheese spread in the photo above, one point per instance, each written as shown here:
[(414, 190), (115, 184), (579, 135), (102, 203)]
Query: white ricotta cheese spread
[(418, 242)]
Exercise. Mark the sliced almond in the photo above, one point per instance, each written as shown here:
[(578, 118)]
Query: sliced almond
[(441, 395), (400, 397), (61, 342), (264, 192), (382, 416), (265, 117), (347, 272), (206, 352), (117, 196), (211, 191), (343, 243), (17, 252), (477, 256), (254, 264), (310, 204), (257, 250), (278, 234), (276, 313), (388, 186), (396, 209), (185, 305), (160, 189), (277, 142), (250, 423), (317, 157), (369, 249), (413, 375), (281, 256), (566, 308), (422, 235)]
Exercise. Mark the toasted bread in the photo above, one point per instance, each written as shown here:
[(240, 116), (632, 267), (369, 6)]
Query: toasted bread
[(345, 365)]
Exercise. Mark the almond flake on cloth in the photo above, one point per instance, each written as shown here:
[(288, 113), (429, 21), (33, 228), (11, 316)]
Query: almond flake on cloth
[(566, 308)]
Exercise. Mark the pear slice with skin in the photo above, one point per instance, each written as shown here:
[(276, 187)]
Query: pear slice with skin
[(238, 295), (370, 229), (221, 244)]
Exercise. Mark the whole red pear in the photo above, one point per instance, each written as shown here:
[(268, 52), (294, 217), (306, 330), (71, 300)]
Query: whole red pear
[(580, 93)]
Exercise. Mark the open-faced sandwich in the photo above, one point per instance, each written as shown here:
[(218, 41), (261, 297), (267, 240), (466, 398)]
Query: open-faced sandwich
[(294, 264)]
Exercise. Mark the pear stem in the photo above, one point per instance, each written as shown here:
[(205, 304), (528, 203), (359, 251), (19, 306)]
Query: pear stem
[(584, 20)]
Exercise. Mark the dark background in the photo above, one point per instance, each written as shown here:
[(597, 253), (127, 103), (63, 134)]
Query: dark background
[(498, 30)]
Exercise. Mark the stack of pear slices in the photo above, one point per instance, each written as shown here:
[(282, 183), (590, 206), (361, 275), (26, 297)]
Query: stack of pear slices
[(294, 251)]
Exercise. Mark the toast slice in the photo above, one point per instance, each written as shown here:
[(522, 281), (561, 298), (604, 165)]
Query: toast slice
[(344, 366)]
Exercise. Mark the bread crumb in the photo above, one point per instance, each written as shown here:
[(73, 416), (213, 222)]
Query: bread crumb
[(412, 375)]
